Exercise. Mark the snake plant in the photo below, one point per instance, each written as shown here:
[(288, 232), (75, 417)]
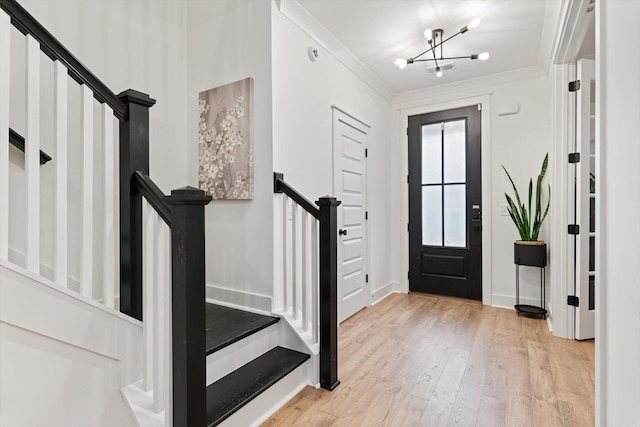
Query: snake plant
[(528, 222)]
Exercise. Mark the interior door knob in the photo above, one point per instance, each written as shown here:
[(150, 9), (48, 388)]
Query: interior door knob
[(342, 232)]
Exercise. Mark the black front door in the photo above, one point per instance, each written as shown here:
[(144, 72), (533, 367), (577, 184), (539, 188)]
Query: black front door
[(445, 202)]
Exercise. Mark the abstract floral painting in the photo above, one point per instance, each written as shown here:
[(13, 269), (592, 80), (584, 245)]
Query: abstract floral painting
[(225, 141)]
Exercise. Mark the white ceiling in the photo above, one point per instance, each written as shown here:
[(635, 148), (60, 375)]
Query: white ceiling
[(379, 31)]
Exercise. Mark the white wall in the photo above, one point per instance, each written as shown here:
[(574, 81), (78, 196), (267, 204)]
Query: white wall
[(617, 274), (63, 358), (518, 141), (303, 93), (230, 40)]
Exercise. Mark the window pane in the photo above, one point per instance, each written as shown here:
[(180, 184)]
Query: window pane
[(432, 215), (592, 254), (455, 161), (455, 218), (432, 154), (592, 293)]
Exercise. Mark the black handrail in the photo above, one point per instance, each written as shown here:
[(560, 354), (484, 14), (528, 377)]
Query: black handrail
[(327, 216), (50, 46), (280, 186), (154, 196), (18, 141)]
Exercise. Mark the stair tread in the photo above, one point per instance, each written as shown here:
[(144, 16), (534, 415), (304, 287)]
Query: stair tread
[(232, 392), (227, 325)]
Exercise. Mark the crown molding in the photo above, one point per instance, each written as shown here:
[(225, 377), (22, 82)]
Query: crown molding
[(300, 17)]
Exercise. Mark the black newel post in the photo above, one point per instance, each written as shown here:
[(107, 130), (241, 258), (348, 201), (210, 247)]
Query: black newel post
[(188, 310), (134, 156), (328, 292)]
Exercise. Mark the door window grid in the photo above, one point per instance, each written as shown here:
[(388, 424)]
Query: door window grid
[(444, 184)]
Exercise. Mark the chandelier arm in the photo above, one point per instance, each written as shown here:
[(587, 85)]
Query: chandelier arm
[(426, 51), (445, 59)]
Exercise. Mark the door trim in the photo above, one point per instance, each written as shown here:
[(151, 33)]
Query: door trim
[(485, 122), (341, 115)]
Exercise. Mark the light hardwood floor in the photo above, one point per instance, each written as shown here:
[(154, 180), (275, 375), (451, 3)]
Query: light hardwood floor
[(423, 360)]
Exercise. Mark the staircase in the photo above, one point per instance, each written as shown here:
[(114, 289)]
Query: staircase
[(181, 360), (243, 361)]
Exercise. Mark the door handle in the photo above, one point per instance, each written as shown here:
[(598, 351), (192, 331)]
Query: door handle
[(342, 232), (476, 216)]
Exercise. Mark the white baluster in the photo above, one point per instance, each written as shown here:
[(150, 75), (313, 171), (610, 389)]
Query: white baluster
[(305, 271), (278, 254), (168, 349), (32, 154), (288, 256), (61, 135), (148, 279), (160, 290), (295, 249), (109, 280), (314, 282), (86, 272), (5, 74)]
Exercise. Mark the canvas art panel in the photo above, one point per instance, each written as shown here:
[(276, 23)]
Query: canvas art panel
[(225, 134)]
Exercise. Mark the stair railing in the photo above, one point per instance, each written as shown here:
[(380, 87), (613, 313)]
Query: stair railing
[(173, 273), (174, 292), (68, 71), (305, 272)]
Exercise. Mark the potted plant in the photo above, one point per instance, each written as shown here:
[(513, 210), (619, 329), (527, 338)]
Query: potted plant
[(529, 250)]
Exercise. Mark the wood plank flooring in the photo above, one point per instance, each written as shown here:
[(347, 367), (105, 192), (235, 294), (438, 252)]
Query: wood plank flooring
[(423, 360)]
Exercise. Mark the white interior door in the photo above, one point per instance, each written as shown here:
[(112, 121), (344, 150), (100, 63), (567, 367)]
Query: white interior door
[(350, 168), (586, 201)]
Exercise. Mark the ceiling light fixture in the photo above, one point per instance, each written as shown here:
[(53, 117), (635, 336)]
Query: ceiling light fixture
[(436, 40)]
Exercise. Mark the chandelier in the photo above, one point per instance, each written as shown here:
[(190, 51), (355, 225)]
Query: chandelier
[(436, 40)]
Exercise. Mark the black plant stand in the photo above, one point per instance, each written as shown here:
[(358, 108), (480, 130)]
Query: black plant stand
[(533, 256)]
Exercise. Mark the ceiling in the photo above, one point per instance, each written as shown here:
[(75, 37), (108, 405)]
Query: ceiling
[(379, 31)]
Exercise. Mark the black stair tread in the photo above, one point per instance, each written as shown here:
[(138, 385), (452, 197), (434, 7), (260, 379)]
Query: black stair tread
[(227, 325), (232, 392)]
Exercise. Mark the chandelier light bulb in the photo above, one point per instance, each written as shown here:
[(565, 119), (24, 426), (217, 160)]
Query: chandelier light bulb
[(438, 72), (400, 63), (483, 56), (428, 34), (474, 23)]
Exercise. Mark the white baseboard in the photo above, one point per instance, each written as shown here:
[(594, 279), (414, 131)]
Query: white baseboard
[(508, 301), (238, 299), (384, 291), (46, 271)]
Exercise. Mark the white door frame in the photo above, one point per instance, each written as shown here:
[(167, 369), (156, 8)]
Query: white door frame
[(341, 114), (485, 101)]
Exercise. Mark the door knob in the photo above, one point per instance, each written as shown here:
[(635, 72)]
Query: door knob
[(342, 232)]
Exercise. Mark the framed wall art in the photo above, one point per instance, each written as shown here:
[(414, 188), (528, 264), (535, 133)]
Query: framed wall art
[(225, 141)]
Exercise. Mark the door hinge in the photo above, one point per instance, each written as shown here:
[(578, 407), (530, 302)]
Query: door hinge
[(573, 300), (366, 215), (366, 278), (573, 229), (407, 179), (407, 131), (408, 275), (366, 152), (574, 157), (407, 227), (574, 86), (479, 107)]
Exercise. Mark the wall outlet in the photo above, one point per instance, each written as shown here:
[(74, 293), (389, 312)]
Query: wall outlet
[(504, 211)]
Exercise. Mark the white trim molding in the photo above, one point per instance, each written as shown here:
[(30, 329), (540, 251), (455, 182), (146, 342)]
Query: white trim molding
[(307, 23)]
